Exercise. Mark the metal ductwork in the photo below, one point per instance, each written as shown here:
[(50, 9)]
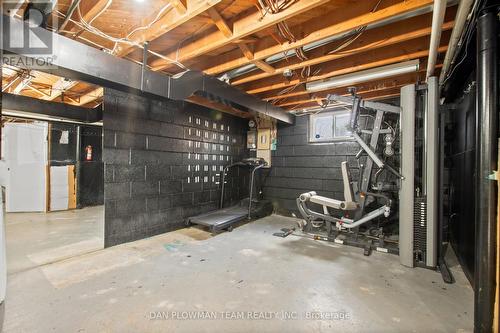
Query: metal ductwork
[(73, 60)]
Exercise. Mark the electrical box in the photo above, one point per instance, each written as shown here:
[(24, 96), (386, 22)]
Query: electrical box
[(264, 139), (252, 139)]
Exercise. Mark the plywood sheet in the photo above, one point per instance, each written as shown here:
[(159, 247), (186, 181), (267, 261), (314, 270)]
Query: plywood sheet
[(59, 194), (71, 187)]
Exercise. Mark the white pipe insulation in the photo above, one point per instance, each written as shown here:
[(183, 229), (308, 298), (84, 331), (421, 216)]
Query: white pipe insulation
[(438, 12), (464, 8)]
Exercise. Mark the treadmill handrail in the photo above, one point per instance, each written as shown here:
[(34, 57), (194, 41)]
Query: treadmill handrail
[(223, 177)]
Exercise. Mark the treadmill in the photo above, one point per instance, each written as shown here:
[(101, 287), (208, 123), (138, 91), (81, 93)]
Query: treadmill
[(224, 218)]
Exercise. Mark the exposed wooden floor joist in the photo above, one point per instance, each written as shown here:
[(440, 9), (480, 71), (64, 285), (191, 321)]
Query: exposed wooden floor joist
[(219, 36)]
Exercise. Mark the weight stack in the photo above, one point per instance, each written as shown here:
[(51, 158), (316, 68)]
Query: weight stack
[(420, 230)]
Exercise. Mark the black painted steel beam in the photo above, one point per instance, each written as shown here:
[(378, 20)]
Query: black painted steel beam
[(74, 60), (36, 106)]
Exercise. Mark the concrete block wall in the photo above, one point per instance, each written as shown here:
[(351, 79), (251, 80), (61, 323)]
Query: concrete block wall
[(162, 163), (300, 166)]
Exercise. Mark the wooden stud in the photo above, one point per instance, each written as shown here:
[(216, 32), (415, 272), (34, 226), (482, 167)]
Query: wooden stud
[(59, 87), (47, 169), (264, 66), (219, 21), (71, 187), (180, 5), (246, 50), (41, 92), (91, 96)]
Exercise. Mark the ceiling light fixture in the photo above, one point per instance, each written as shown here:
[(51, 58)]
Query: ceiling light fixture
[(364, 76)]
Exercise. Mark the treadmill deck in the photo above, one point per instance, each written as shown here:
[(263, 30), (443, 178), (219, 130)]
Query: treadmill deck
[(221, 218)]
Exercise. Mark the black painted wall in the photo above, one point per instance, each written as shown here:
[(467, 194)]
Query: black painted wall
[(162, 163), (62, 151), (460, 160), (299, 166), (91, 173)]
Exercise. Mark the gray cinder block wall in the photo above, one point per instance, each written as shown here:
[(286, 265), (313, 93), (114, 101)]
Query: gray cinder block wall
[(299, 166), (162, 163)]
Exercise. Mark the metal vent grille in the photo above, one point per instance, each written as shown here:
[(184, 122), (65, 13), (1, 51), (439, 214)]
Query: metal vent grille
[(420, 229)]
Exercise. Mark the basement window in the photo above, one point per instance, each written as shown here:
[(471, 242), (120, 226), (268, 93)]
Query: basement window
[(329, 126)]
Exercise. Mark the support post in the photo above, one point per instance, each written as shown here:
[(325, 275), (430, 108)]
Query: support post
[(144, 64), (432, 175), (406, 194), (486, 163)]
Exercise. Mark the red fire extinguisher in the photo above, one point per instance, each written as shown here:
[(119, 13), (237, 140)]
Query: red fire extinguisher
[(88, 153)]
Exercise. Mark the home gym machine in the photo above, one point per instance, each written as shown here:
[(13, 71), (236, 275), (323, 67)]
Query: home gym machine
[(367, 203), (249, 208), (364, 200)]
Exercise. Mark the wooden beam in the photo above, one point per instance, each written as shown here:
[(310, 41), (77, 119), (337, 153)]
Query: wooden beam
[(246, 50), (91, 96), (380, 57), (391, 34), (35, 89), (302, 92), (218, 106), (378, 85), (169, 21), (91, 9), (246, 40), (264, 66), (219, 21), (12, 82), (351, 17), (180, 5), (59, 87), (248, 25), (71, 100), (19, 86), (369, 95)]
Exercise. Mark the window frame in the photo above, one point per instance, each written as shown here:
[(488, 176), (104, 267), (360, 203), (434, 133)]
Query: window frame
[(334, 114)]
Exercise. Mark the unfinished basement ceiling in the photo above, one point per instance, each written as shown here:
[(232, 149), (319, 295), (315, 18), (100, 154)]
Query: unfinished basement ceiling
[(248, 42)]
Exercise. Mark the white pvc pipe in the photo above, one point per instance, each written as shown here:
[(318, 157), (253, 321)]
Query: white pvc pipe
[(463, 11), (438, 12)]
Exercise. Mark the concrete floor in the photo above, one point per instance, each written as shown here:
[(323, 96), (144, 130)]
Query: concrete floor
[(35, 239), (248, 280)]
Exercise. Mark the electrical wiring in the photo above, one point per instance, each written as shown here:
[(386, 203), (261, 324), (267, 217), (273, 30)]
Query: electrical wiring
[(273, 6), (99, 13), (467, 37), (86, 26), (349, 41), (299, 52), (160, 14), (357, 33)]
